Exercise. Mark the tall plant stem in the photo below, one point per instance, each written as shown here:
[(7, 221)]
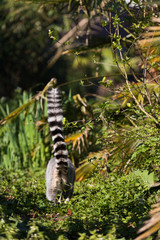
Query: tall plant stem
[(124, 73), (133, 96)]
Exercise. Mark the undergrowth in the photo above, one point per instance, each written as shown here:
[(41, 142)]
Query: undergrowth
[(22, 141), (118, 163), (101, 208)]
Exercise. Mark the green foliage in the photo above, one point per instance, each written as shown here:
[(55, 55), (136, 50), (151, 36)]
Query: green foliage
[(23, 144), (114, 141), (110, 208), (149, 148), (117, 139), (138, 148)]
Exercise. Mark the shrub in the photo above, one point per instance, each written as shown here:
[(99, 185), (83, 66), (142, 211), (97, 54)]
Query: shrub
[(110, 208)]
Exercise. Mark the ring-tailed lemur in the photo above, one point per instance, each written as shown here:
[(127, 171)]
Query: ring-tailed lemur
[(60, 173)]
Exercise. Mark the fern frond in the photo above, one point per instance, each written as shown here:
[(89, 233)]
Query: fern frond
[(78, 140), (93, 160), (138, 90), (152, 225)]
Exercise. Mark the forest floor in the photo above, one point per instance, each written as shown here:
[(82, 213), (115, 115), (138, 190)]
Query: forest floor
[(111, 207)]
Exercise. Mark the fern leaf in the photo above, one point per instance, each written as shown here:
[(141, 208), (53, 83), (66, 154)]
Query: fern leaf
[(78, 140), (152, 225), (91, 163)]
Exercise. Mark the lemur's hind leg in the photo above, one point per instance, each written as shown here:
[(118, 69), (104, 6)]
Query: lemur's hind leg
[(51, 195), (67, 194)]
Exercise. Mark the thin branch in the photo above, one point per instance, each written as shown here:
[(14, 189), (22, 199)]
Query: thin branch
[(82, 24), (59, 45), (134, 98), (35, 98), (130, 90)]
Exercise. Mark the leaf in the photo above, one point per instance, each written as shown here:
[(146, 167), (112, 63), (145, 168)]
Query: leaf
[(69, 212), (90, 164), (20, 109), (152, 225), (79, 139)]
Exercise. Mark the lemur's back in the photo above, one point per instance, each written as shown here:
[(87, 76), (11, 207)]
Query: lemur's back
[(60, 173)]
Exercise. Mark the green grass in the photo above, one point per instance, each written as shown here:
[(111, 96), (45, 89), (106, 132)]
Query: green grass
[(111, 208), (23, 143)]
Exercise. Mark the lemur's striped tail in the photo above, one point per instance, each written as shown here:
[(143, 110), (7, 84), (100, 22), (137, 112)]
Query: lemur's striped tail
[(55, 117)]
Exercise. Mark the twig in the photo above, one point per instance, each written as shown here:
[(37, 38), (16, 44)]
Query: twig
[(59, 45), (134, 98), (19, 110), (129, 88)]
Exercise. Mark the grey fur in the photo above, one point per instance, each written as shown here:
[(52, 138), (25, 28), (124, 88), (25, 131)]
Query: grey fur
[(60, 173), (55, 183)]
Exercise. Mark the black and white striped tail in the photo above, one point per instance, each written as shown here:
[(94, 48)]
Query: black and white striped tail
[(55, 117)]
